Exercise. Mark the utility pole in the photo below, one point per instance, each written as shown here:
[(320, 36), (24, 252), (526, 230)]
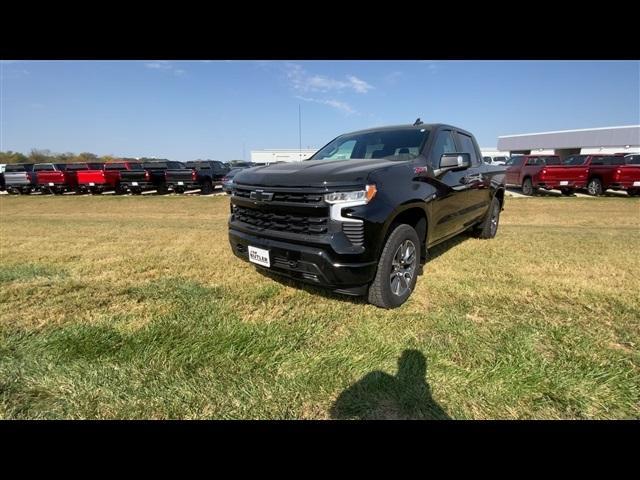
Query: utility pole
[(299, 132)]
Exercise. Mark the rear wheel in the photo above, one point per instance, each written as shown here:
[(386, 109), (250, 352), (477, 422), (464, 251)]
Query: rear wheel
[(207, 188), (633, 192), (397, 268), (594, 187), (489, 226), (527, 187), (566, 191)]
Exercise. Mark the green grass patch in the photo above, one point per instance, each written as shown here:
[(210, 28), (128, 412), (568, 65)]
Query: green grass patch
[(145, 313)]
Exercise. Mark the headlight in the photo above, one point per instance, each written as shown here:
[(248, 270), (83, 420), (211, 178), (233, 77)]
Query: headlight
[(364, 196)]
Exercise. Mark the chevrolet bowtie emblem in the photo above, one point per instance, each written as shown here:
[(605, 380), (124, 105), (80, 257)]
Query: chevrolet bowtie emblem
[(261, 196)]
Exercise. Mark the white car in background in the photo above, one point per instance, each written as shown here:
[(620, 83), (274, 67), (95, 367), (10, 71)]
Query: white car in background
[(497, 160)]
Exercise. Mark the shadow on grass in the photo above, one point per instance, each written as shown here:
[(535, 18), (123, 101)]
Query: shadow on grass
[(380, 396)]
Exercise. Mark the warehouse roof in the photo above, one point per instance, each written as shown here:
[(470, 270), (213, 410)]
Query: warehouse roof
[(579, 138)]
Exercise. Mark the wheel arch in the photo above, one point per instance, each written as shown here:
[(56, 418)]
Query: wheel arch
[(414, 214)]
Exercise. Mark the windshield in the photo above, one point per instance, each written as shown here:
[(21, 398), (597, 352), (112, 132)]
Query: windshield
[(401, 144), (574, 160)]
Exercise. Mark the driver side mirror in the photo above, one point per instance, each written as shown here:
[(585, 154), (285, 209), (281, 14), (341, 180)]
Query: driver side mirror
[(454, 161)]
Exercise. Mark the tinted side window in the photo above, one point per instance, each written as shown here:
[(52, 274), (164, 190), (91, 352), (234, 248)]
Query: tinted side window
[(619, 160), (467, 146), (517, 161), (444, 144)]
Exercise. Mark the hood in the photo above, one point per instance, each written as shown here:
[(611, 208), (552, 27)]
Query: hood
[(314, 173)]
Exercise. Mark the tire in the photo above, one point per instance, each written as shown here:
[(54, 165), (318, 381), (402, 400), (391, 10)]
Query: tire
[(489, 226), (527, 187), (594, 187), (390, 267), (567, 192), (207, 188), (632, 192), (162, 190)]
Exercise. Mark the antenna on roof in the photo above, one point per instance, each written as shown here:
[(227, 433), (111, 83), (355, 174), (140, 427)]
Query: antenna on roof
[(418, 121)]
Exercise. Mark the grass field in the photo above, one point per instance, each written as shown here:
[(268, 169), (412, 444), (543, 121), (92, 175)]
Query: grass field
[(135, 307)]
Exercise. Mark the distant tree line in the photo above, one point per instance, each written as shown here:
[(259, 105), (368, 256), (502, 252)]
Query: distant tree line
[(46, 156)]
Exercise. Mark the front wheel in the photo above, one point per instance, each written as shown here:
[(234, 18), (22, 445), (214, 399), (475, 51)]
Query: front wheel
[(397, 268), (594, 187)]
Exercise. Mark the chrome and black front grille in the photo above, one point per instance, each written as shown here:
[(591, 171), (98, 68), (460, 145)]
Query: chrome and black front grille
[(307, 225), (291, 197)]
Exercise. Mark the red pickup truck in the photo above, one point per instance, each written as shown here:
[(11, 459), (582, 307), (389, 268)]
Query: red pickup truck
[(627, 176), (531, 172), (600, 170), (104, 177), (54, 178)]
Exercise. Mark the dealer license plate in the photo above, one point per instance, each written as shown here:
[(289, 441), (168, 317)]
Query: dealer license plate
[(564, 182), (259, 256)]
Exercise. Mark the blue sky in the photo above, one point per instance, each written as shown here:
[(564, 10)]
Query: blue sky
[(209, 109)]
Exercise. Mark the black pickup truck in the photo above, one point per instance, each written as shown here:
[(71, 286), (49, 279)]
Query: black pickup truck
[(360, 214), (205, 175), (147, 176)]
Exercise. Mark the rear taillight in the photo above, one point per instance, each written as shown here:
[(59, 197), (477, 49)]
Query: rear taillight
[(544, 172), (194, 175), (146, 175), (618, 171)]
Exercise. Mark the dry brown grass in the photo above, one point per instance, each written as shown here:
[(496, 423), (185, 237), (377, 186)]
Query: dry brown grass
[(135, 307)]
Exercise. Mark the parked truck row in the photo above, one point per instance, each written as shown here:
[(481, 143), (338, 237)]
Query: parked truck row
[(593, 173), (118, 177)]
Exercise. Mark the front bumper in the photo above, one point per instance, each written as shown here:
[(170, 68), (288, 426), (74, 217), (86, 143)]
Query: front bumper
[(313, 264)]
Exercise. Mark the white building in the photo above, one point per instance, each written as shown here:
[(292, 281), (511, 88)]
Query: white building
[(624, 139), (281, 155)]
